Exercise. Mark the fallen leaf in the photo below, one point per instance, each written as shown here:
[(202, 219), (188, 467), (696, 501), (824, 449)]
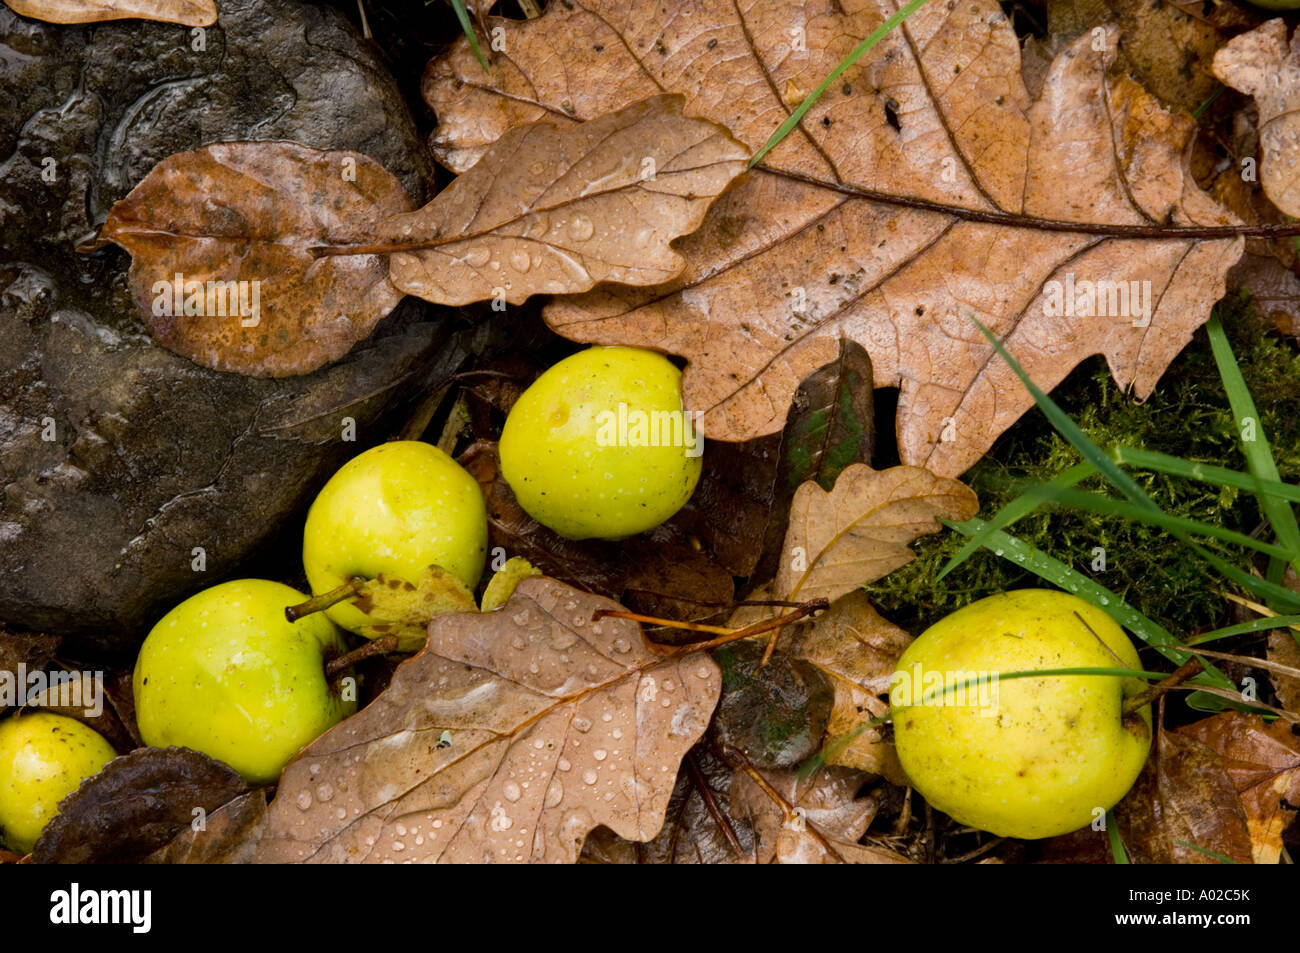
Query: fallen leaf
[(504, 581), (858, 651), (909, 199), (404, 609), (556, 208), (818, 820), (185, 12), (229, 835), (508, 738), (1183, 796), (692, 833), (860, 530), (1263, 762), (1260, 64), (20, 654), (134, 806), (1283, 649), (253, 212)]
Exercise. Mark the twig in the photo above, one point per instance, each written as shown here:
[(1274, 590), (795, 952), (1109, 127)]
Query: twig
[(337, 666), (1188, 669), (711, 804)]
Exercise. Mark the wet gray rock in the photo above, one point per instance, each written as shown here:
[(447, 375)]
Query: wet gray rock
[(119, 458)]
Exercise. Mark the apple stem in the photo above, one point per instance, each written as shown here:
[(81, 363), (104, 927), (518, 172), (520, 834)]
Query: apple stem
[(325, 599), (381, 646), (1188, 669)]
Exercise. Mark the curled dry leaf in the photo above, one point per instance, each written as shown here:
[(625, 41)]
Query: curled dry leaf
[(1261, 64), (559, 208), (1183, 796), (229, 835), (185, 12), (860, 530), (858, 650), (505, 580), (134, 806), (509, 738), (818, 820), (1263, 762), (918, 185), (692, 831), (223, 260)]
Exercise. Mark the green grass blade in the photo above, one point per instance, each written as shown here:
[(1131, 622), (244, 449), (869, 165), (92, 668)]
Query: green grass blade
[(1056, 572), (1125, 484), (861, 49), (1203, 472), (1109, 506), (1020, 507), (1117, 852), (1259, 456), (468, 28), (1242, 628), (1221, 858)]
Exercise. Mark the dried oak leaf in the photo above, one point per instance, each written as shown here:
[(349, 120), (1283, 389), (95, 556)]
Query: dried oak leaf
[(1263, 762), (556, 209), (858, 650), (185, 12), (228, 835), (1261, 64), (692, 832), (509, 738), (134, 806), (859, 531), (1183, 796), (818, 820), (864, 222), (253, 212)]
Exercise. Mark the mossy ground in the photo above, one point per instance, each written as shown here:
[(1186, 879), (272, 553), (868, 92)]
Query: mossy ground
[(1188, 416)]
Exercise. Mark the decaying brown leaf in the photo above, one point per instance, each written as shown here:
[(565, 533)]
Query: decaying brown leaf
[(814, 821), (1183, 796), (1263, 762), (860, 530), (557, 208), (404, 608), (865, 222), (1283, 649), (508, 738), (228, 835), (693, 831), (136, 805), (1260, 64), (222, 246), (185, 12), (858, 650)]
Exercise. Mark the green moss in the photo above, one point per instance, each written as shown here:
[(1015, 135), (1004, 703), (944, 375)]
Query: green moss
[(1188, 416)]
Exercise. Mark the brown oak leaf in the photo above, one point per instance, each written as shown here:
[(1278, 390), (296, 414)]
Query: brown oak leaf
[(185, 12), (1263, 762), (859, 531), (509, 738), (558, 208), (912, 197), (1261, 64)]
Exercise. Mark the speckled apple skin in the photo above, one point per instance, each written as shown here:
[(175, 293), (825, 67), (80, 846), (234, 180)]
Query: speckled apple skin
[(225, 673), (553, 458), (1049, 751)]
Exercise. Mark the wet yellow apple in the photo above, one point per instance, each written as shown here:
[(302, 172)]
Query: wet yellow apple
[(225, 673), (601, 446), (1029, 757), (43, 758), (398, 508)]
